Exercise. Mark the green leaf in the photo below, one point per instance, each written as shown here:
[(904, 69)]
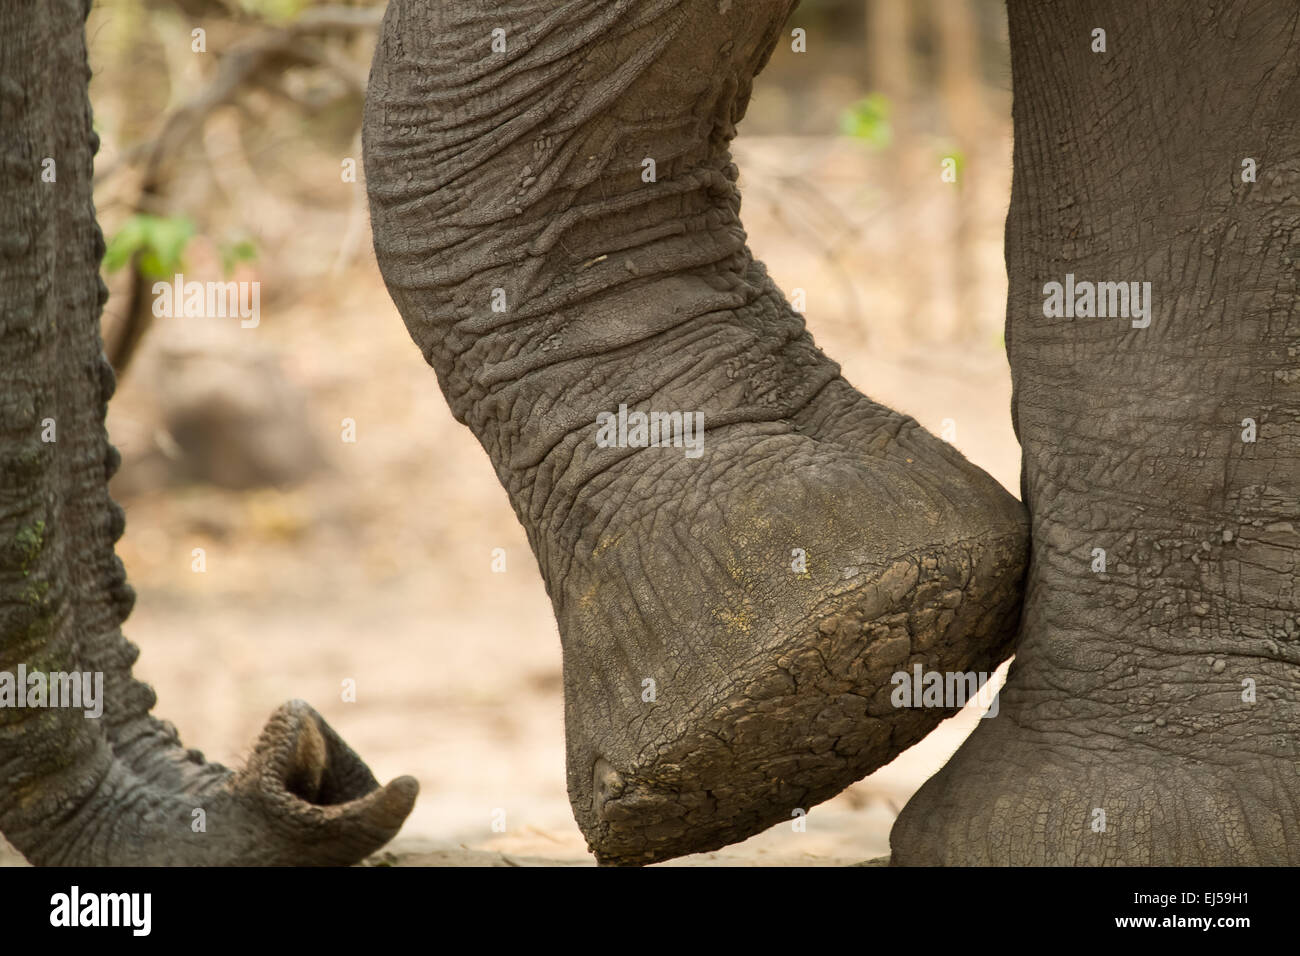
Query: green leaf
[(958, 158), (868, 120), (277, 11), (158, 241), (233, 253)]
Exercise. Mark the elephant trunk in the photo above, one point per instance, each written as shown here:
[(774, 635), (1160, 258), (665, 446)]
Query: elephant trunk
[(87, 775)]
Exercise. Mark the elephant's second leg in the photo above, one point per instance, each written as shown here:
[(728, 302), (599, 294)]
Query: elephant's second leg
[(734, 604), (1151, 713), (732, 623)]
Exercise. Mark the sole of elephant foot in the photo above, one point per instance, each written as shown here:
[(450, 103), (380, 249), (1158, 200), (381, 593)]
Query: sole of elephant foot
[(732, 662), (1012, 798)]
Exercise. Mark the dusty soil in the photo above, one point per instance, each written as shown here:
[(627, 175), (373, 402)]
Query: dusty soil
[(376, 568)]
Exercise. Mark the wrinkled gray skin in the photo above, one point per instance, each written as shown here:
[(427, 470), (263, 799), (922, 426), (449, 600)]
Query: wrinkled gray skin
[(522, 172), (1126, 694), (119, 789)]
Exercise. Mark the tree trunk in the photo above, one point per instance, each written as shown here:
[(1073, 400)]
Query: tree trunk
[(961, 94)]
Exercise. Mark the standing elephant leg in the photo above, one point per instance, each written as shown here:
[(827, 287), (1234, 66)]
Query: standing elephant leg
[(1152, 715), (556, 216)]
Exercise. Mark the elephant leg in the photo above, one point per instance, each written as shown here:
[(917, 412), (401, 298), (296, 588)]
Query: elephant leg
[(1151, 714), (108, 783), (556, 216)]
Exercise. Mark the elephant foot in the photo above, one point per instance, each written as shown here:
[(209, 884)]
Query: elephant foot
[(732, 640), (1057, 779), (563, 240)]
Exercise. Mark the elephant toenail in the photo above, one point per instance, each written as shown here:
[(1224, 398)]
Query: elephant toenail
[(607, 784)]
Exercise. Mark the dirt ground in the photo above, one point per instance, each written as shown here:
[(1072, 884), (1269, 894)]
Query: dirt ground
[(376, 566)]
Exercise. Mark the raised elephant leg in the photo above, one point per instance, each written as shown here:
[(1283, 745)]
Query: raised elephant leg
[(115, 787), (556, 216), (1152, 715)]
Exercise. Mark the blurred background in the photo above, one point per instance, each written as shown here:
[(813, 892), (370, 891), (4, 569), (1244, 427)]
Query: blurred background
[(274, 559)]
